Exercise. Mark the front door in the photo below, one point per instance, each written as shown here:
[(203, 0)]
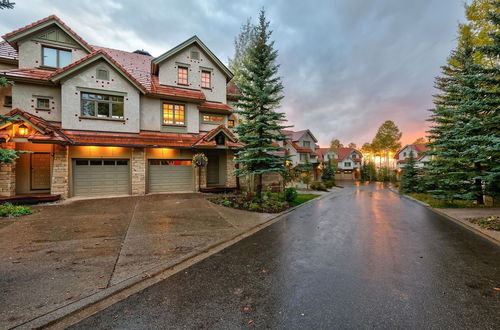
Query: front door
[(40, 171), (213, 169)]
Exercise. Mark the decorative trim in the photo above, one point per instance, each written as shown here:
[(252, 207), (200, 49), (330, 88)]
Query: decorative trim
[(100, 91)]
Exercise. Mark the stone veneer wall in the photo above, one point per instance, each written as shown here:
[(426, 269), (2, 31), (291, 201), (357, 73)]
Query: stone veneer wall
[(230, 177), (138, 171), (8, 174), (60, 171)]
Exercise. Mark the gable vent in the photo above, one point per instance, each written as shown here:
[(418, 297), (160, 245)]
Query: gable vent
[(195, 55)]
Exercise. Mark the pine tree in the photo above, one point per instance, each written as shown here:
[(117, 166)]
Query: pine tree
[(261, 124), (409, 180)]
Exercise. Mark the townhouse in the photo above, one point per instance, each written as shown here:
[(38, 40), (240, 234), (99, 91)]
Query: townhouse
[(419, 153), (348, 161), (101, 121)]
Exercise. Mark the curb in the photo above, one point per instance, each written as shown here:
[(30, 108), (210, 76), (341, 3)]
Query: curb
[(72, 313), (463, 224)]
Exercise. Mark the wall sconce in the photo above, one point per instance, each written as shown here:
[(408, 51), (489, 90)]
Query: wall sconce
[(320, 166), (23, 130)]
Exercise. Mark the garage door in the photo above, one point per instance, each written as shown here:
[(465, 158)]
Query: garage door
[(167, 175), (94, 177)]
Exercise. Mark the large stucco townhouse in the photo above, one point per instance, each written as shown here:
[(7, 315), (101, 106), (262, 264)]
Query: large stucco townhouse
[(101, 121), (348, 161)]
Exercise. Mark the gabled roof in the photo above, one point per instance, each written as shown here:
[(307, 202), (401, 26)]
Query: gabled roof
[(187, 43), (215, 107), (91, 58), (7, 52), (302, 149), (296, 135), (342, 153), (14, 36), (175, 92), (420, 148), (28, 73)]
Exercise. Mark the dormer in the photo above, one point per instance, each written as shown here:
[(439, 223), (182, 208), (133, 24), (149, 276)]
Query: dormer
[(192, 65), (47, 43)]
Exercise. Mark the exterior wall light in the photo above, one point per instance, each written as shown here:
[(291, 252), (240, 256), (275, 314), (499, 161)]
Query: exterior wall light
[(23, 130)]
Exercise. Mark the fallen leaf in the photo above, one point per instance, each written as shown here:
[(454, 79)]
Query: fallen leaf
[(246, 308), (126, 311), (250, 321), (102, 287), (265, 271), (496, 289)]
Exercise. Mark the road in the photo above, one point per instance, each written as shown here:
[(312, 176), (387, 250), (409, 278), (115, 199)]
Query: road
[(362, 258)]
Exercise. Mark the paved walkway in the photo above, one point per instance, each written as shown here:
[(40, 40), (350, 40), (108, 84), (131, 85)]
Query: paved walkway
[(66, 252)]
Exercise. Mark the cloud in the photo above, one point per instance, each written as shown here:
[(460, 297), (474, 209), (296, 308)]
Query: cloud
[(347, 65)]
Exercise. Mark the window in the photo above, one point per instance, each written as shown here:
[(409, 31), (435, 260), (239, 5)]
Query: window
[(173, 114), (102, 74), (102, 106), (169, 162), (220, 139), (42, 103), (303, 157), (7, 101), (195, 55), (56, 58), (206, 79), (404, 154), (306, 144), (213, 118), (347, 164), (182, 75), (230, 123)]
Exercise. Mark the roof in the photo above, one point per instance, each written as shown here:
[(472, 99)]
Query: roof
[(176, 92), (211, 106), (342, 153), (232, 91), (15, 35), (8, 52), (28, 73), (302, 149), (189, 42), (420, 148), (296, 135)]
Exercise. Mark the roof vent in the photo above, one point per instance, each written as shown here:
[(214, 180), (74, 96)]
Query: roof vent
[(142, 52)]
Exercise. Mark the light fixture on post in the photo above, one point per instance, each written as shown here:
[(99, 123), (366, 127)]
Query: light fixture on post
[(22, 130)]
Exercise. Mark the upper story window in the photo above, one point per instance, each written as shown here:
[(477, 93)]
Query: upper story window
[(173, 114), (102, 106), (404, 154), (182, 75), (102, 74), (7, 101), (306, 144), (206, 77), (347, 164), (213, 118), (230, 123), (303, 157), (43, 103), (55, 57)]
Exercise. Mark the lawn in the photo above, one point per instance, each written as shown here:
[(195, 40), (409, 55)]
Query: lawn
[(302, 198), (439, 203)]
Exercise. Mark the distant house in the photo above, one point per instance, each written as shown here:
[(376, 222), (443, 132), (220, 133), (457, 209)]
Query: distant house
[(348, 161), (418, 150), (301, 147)]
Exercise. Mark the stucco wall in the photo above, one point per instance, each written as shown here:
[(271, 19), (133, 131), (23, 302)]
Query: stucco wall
[(71, 101), (151, 115), (24, 97), (168, 73), (30, 51)]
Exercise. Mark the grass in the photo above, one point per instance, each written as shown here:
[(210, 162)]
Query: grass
[(439, 203), (492, 223), (10, 210), (302, 198)]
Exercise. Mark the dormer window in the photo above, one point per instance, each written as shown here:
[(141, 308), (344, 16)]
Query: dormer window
[(306, 144), (206, 79), (102, 74), (55, 57), (182, 75), (220, 140)]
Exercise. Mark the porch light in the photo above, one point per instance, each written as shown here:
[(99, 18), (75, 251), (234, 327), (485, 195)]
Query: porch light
[(22, 130), (320, 166)]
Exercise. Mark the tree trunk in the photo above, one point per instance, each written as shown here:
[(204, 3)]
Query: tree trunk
[(478, 185), (258, 190)]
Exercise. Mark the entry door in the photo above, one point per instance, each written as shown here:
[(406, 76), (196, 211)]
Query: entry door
[(40, 171), (213, 169)]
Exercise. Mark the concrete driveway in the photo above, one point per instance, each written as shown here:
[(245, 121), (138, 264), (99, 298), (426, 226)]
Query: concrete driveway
[(66, 252)]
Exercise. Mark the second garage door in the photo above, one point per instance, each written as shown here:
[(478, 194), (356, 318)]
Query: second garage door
[(166, 175), (95, 177)]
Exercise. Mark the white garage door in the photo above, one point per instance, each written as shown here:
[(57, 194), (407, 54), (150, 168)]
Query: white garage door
[(167, 175), (95, 177)]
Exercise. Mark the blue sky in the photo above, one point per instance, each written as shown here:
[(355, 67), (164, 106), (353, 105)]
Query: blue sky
[(347, 65)]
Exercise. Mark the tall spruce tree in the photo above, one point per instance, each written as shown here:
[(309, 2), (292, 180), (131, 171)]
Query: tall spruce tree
[(261, 124), (409, 180)]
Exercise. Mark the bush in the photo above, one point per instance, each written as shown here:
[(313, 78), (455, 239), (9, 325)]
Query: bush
[(290, 194), (329, 184), (10, 210), (318, 186)]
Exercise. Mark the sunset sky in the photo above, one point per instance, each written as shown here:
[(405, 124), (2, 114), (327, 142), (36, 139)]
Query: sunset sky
[(347, 65)]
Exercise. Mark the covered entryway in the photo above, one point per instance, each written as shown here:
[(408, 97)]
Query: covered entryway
[(40, 171), (95, 177), (213, 169), (170, 175)]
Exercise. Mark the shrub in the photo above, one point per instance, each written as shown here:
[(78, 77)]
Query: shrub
[(290, 194), (10, 210), (318, 186), (227, 203), (329, 184), (253, 206)]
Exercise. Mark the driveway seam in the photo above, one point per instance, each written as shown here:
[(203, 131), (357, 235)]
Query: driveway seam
[(121, 245)]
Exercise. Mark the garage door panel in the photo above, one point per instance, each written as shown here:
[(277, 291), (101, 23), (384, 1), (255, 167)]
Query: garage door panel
[(110, 177), (166, 177)]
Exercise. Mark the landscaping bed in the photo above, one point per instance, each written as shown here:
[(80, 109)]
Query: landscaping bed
[(10, 210), (439, 203), (491, 223)]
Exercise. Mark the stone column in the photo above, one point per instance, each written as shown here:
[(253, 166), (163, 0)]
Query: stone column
[(8, 174), (138, 171), (230, 177), (203, 177), (60, 171)]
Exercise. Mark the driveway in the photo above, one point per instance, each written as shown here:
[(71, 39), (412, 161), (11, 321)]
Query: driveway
[(66, 252), (362, 258)]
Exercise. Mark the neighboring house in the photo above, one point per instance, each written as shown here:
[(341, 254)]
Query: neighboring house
[(348, 161), (102, 121), (418, 150), (300, 146)]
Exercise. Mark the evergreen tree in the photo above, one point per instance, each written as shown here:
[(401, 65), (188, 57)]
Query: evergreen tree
[(261, 124), (409, 180), (241, 45)]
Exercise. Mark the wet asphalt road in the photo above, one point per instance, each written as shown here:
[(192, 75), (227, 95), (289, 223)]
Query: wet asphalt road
[(363, 258)]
